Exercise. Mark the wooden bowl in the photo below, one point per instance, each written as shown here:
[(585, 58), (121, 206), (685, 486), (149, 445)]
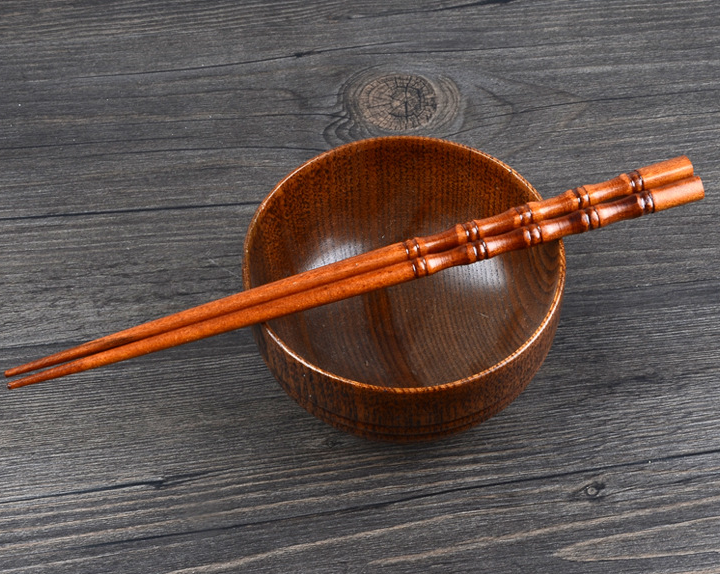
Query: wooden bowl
[(423, 359)]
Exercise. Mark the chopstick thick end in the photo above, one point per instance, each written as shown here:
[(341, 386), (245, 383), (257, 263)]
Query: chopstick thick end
[(665, 172), (674, 195)]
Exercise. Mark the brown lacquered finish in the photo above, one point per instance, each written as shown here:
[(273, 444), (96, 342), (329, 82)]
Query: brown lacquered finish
[(420, 360)]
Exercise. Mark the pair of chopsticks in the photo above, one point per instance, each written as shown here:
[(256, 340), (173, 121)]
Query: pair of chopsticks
[(652, 188)]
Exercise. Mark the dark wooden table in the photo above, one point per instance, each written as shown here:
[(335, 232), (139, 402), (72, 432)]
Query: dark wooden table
[(136, 141)]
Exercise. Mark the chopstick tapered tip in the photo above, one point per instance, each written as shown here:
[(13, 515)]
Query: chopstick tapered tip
[(38, 364), (41, 376), (14, 384), (25, 381)]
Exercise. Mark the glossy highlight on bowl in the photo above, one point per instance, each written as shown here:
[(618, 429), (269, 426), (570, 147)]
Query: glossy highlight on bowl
[(424, 359)]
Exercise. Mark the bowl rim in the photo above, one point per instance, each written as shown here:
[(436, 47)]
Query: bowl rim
[(528, 342)]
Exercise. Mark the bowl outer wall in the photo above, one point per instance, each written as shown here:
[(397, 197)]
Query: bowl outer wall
[(410, 413)]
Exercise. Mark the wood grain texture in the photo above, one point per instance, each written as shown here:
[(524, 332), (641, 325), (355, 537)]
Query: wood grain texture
[(136, 141), (406, 361)]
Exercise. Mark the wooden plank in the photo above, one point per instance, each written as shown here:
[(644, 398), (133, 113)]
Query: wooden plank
[(136, 141)]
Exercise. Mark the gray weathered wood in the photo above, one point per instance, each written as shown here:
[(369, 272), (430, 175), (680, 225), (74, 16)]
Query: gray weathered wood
[(136, 140)]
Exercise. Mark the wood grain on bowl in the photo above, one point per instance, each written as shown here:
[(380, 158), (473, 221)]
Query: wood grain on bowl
[(419, 360)]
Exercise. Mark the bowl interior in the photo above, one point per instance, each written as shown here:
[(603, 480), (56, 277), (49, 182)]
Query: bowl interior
[(431, 331)]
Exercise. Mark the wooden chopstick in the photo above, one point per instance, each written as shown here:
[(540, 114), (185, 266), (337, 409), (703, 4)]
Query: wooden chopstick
[(577, 221), (648, 177)]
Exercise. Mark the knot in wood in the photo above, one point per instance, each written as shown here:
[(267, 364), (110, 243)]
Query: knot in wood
[(384, 102), (398, 102), (594, 490)]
